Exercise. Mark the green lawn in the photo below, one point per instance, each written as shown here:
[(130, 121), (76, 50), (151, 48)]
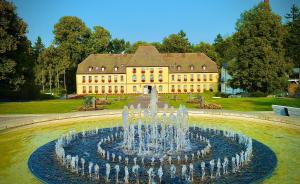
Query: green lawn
[(72, 105), (238, 104), (56, 106)]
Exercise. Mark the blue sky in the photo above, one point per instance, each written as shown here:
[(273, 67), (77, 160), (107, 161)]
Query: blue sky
[(147, 20)]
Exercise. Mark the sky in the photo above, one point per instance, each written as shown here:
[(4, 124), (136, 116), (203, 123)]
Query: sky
[(146, 20)]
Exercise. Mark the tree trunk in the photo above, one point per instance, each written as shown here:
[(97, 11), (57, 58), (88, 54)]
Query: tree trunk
[(50, 81), (57, 80), (65, 79), (43, 81)]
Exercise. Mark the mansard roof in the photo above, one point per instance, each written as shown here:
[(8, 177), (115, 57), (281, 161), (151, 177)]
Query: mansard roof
[(147, 56)]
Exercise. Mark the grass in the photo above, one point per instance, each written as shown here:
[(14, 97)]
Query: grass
[(56, 106), (238, 104), (17, 145), (72, 105)]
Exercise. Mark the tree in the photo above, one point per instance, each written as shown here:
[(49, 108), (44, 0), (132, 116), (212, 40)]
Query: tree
[(134, 46), (260, 64), (38, 47), (99, 40), (176, 43), (225, 47), (208, 50), (16, 61), (292, 43), (118, 46), (71, 37)]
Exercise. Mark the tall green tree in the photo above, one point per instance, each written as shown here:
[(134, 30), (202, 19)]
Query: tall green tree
[(38, 47), (99, 40), (71, 36), (260, 63), (16, 61), (225, 47), (118, 46), (176, 43), (292, 43)]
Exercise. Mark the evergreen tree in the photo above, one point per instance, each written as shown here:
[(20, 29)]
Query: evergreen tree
[(118, 46), (260, 63), (292, 43), (176, 43)]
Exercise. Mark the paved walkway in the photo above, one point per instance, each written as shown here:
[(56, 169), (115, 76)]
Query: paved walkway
[(144, 100), (19, 120)]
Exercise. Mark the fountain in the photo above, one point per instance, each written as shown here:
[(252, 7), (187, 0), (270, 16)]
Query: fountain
[(155, 147)]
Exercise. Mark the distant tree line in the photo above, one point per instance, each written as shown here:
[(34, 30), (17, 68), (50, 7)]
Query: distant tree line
[(259, 55)]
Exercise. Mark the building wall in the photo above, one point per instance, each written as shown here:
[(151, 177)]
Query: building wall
[(103, 81), (153, 76), (137, 79)]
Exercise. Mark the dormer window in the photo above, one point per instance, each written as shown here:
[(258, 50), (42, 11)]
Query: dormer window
[(115, 68), (204, 67), (178, 67), (97, 68), (192, 67), (90, 68), (102, 68)]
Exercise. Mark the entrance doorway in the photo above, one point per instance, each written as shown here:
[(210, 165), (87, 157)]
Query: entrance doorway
[(147, 89)]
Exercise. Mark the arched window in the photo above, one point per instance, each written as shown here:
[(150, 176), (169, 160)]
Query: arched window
[(178, 67), (102, 68), (204, 67), (115, 68)]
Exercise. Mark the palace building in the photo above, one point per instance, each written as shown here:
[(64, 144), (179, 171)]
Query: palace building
[(137, 73)]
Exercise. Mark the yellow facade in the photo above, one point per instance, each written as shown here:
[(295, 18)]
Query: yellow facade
[(138, 80)]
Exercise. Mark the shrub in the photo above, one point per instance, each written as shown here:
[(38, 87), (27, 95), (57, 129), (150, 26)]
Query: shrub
[(223, 95), (257, 94)]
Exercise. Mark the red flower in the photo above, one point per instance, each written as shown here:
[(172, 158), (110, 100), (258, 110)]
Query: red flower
[(109, 81), (198, 79), (179, 80), (151, 80), (103, 81), (179, 90), (192, 79), (173, 90), (160, 80), (143, 71), (96, 81), (103, 91), (185, 79), (192, 90), (133, 71), (151, 71), (160, 71), (185, 90), (90, 81), (143, 80), (198, 90), (83, 81)]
